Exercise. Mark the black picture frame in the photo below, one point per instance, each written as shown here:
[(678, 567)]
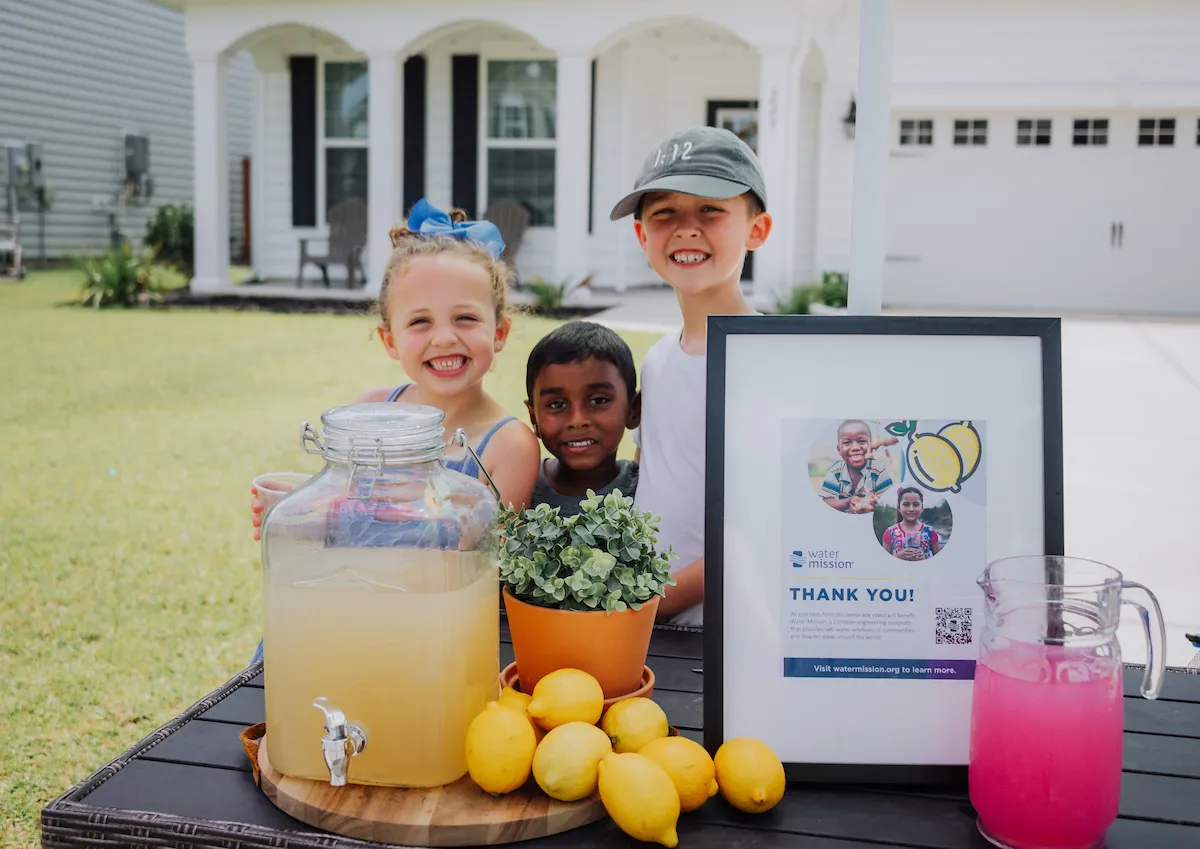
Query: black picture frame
[(720, 328)]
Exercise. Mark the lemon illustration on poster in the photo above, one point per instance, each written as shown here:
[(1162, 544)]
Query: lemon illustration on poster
[(886, 538)]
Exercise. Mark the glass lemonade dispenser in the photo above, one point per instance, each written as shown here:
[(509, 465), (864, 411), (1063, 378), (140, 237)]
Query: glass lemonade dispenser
[(381, 604)]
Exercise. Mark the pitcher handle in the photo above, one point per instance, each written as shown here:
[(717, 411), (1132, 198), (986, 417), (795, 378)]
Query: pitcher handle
[(1156, 641)]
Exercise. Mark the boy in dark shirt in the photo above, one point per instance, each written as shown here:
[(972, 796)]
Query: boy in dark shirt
[(581, 387)]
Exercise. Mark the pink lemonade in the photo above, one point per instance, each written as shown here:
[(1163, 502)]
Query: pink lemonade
[(1045, 768)]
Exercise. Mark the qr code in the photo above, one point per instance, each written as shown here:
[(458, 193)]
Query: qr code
[(953, 625)]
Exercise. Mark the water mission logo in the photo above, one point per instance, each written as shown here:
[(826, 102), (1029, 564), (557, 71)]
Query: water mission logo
[(819, 558)]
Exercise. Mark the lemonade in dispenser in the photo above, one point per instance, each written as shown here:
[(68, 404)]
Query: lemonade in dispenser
[(381, 604)]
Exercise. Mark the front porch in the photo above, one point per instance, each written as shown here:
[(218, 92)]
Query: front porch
[(550, 108)]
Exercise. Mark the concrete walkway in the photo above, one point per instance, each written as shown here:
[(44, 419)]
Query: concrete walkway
[(1131, 398)]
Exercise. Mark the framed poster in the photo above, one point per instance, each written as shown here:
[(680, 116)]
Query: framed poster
[(861, 473)]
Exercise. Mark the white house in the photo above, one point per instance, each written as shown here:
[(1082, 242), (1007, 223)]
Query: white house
[(1045, 154)]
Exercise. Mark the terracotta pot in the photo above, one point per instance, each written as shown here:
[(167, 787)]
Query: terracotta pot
[(510, 678), (611, 647)]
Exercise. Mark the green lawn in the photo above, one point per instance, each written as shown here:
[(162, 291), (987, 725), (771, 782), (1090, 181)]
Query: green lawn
[(130, 578)]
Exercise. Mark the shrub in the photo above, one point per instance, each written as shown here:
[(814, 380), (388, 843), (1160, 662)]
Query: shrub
[(120, 277), (834, 289), (171, 232), (547, 297), (797, 301)]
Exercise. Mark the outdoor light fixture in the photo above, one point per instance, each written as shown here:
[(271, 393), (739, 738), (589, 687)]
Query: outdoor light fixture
[(849, 121)]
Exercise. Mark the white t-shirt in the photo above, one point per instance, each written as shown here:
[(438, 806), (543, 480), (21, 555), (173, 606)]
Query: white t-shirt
[(671, 471)]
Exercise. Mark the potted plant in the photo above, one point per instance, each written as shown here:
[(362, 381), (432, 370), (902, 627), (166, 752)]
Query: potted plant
[(582, 591)]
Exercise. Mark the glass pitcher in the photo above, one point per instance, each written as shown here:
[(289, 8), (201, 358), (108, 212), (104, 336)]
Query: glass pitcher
[(381, 604), (1046, 713)]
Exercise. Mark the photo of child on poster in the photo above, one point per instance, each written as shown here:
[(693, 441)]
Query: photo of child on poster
[(914, 527), (854, 468)]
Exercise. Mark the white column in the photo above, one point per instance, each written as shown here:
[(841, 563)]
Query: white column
[(210, 175), (384, 153), (439, 128), (868, 228), (573, 120), (774, 261), (258, 177)]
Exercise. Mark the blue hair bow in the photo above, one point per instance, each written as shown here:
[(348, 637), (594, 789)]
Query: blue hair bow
[(428, 220)]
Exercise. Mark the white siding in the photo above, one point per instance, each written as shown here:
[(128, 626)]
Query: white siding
[(75, 75), (1044, 44)]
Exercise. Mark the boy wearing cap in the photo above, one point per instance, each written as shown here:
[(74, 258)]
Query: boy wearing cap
[(698, 206)]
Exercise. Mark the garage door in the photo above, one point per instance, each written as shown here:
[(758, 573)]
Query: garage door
[(1052, 212)]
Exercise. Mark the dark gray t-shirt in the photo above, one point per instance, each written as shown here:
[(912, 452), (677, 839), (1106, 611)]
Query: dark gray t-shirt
[(568, 505)]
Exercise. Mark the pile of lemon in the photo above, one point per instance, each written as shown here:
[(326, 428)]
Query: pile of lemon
[(646, 778)]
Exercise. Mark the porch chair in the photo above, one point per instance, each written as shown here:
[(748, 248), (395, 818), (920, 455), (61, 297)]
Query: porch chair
[(347, 237), (512, 220)]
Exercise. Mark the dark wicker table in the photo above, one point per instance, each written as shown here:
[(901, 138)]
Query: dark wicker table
[(189, 784)]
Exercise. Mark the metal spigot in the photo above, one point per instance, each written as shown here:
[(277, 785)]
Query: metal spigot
[(342, 741)]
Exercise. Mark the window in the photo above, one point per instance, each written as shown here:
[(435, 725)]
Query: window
[(344, 132), (520, 135), (971, 132), (916, 131), (1090, 132), (1033, 131), (1156, 131)]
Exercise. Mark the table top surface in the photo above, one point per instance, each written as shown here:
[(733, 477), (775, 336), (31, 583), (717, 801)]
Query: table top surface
[(200, 772)]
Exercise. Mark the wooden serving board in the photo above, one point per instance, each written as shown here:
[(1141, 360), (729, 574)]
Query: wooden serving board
[(458, 814)]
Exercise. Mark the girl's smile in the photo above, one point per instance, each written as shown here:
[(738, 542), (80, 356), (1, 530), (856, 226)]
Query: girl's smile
[(445, 367)]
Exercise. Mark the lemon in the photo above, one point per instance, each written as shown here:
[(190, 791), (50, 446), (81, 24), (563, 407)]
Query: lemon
[(519, 702), (566, 695), (500, 749), (935, 462), (749, 775), (632, 723), (964, 437), (640, 797), (515, 698), (689, 766), (565, 763)]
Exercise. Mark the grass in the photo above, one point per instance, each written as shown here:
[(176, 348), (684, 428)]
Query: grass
[(130, 577)]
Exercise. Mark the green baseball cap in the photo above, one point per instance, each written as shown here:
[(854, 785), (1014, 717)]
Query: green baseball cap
[(709, 162)]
